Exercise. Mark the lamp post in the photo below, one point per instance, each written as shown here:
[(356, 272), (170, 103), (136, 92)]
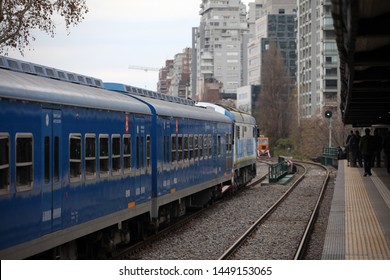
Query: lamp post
[(328, 115)]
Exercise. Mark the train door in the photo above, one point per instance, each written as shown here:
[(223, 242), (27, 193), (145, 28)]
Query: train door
[(166, 171), (141, 182), (51, 169)]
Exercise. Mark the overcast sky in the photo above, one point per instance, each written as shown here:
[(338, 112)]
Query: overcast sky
[(119, 33)]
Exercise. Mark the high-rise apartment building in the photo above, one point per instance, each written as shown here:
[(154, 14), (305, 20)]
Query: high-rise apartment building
[(218, 45), (165, 77), (274, 20), (318, 63), (180, 84), (270, 22)]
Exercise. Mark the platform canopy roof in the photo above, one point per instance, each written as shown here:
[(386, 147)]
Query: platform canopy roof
[(363, 40)]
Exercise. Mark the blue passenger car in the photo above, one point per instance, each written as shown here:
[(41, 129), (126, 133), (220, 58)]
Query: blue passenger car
[(86, 167), (192, 147), (71, 160)]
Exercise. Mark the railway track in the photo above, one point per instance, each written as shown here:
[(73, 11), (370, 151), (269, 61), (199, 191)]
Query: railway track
[(210, 233), (249, 244), (132, 251)]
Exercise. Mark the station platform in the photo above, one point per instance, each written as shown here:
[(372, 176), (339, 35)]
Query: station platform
[(359, 221)]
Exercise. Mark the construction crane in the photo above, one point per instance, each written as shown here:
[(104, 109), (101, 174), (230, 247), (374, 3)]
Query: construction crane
[(145, 68)]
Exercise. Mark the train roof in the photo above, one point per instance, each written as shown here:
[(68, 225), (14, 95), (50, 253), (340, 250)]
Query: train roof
[(24, 85), (234, 114), (177, 107)]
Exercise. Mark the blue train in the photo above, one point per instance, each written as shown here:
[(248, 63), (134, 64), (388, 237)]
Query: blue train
[(86, 166)]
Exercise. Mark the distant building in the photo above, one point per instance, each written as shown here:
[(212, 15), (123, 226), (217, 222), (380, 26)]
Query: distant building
[(318, 61), (218, 46), (275, 21), (181, 76), (165, 77), (247, 97)]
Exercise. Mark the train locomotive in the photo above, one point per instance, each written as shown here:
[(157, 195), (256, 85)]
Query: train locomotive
[(86, 166), (244, 148)]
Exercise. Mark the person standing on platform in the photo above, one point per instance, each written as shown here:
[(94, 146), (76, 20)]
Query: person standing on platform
[(376, 158), (348, 149), (386, 149), (353, 145), (367, 148), (359, 157)]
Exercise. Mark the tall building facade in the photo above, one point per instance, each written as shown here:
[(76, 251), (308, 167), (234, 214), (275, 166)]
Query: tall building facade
[(181, 76), (165, 77), (218, 45), (318, 63), (274, 20)]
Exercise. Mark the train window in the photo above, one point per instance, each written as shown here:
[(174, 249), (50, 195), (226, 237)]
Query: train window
[(148, 151), (191, 146), (200, 146), (219, 145), (196, 147), (173, 141), (238, 132), (126, 153), (24, 162), (4, 164), (104, 167), (215, 145), (137, 150), (180, 148), (140, 152), (185, 147), (90, 156), (205, 146), (116, 155), (231, 142), (209, 143), (75, 157), (228, 142), (47, 159), (166, 149), (56, 175)]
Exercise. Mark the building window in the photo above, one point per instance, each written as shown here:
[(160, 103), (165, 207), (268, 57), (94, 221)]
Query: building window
[(331, 84)]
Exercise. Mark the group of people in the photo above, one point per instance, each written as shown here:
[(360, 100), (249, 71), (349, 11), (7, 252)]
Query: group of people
[(367, 149)]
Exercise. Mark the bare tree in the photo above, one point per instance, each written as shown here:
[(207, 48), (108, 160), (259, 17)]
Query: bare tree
[(273, 101), (314, 135), (19, 17)]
